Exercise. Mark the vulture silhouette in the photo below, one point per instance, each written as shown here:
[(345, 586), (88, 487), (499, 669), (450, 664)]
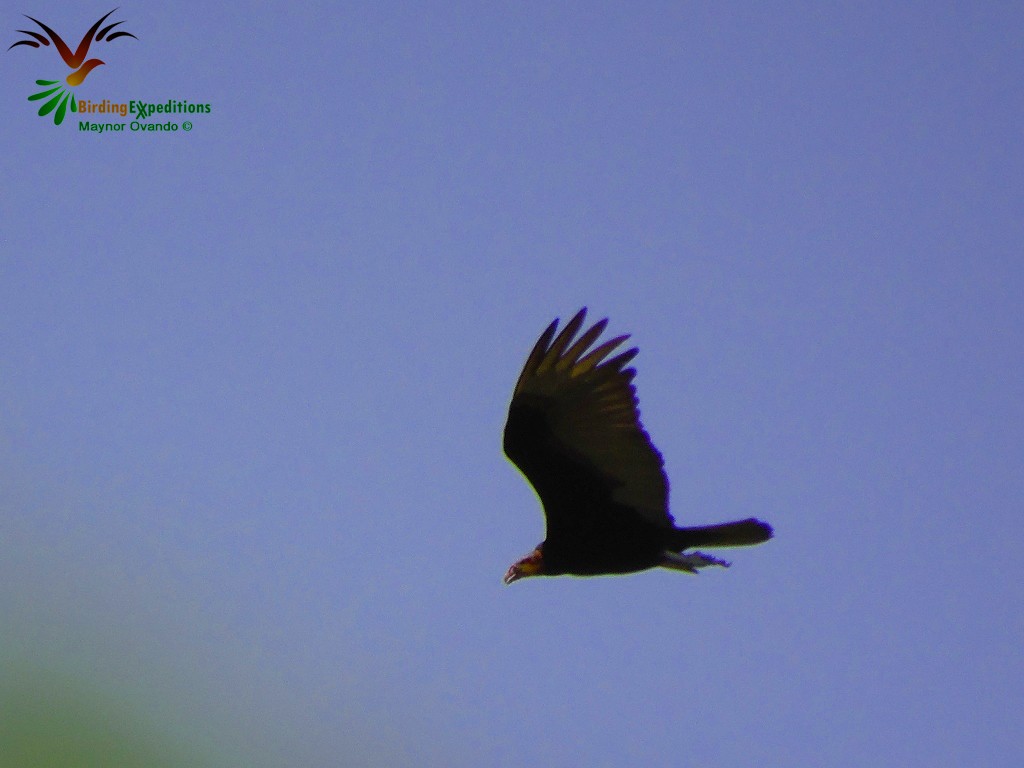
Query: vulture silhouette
[(574, 431)]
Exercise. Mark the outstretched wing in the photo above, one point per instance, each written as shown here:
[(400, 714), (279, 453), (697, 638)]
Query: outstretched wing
[(574, 431)]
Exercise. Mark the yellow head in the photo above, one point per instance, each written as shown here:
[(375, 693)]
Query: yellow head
[(531, 565)]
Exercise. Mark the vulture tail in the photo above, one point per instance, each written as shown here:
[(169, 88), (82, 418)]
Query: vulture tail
[(739, 534)]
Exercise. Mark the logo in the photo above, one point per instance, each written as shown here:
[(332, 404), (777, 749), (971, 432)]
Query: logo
[(100, 115), (63, 98)]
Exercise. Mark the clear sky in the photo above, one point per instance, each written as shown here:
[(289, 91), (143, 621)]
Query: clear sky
[(253, 378)]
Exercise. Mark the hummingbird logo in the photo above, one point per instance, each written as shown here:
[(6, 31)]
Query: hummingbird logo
[(62, 97)]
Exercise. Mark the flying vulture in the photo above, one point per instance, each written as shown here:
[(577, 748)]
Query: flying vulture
[(574, 431)]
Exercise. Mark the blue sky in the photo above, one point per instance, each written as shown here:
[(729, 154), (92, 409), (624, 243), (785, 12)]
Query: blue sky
[(255, 375)]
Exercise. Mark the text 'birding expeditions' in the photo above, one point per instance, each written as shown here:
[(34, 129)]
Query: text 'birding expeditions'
[(141, 112)]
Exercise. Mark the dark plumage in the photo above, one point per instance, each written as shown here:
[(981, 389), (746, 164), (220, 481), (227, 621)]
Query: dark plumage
[(574, 431)]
